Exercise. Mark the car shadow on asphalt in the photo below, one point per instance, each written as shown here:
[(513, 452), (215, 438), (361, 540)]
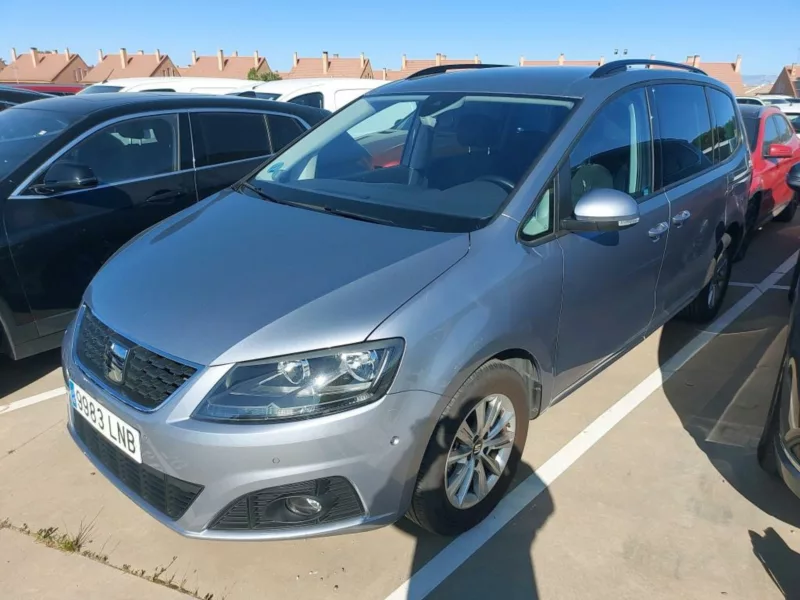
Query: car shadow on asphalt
[(501, 566), (779, 561), (722, 395), (15, 375)]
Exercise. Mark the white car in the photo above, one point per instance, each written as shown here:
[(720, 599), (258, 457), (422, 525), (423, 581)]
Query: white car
[(328, 93), (789, 105), (193, 85)]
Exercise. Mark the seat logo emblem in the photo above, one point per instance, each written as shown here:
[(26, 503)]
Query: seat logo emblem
[(116, 358)]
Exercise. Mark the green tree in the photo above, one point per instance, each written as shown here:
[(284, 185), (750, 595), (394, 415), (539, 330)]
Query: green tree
[(254, 75)]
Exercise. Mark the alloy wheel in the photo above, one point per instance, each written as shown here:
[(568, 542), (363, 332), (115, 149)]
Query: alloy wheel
[(719, 281)]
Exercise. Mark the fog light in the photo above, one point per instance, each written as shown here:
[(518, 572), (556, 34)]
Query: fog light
[(304, 506)]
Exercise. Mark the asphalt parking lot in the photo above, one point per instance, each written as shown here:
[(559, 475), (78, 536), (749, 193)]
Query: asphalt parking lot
[(642, 484)]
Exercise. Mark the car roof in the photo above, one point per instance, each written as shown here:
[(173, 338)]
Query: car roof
[(21, 94), (575, 82), (285, 86), (121, 104)]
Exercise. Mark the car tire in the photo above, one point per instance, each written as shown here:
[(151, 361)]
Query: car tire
[(704, 307), (494, 386), (787, 214)]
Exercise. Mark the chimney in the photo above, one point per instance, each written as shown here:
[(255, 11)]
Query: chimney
[(521, 61), (363, 62), (255, 59), (13, 54), (158, 56), (235, 53), (602, 61), (100, 56), (477, 60), (123, 57), (324, 63), (561, 59), (220, 60), (385, 74), (652, 57), (737, 66), (194, 57), (403, 63), (295, 59), (693, 60), (140, 52), (438, 59), (66, 54), (35, 57)]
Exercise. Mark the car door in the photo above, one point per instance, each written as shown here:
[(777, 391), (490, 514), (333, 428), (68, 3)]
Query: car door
[(227, 145), (783, 193), (610, 278), (770, 173), (60, 239), (696, 187)]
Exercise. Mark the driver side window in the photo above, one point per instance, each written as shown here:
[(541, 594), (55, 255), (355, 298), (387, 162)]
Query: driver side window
[(614, 152)]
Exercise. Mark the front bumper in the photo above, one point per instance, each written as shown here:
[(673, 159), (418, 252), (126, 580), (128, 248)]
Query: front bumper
[(232, 461)]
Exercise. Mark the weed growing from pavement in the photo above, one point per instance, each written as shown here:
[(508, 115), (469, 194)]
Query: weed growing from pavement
[(75, 544)]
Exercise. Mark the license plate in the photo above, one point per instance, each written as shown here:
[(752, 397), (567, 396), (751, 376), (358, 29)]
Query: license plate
[(114, 429)]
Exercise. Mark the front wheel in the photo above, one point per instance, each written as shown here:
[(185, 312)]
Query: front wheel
[(706, 305), (473, 453)]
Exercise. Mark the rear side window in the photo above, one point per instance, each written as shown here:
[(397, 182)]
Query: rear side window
[(226, 137), (684, 146), (726, 125), (313, 99), (283, 130)]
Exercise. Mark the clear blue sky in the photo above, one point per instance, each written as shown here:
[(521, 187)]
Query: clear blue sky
[(498, 31)]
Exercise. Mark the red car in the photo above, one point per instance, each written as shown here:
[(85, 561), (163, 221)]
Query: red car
[(775, 149), (55, 89)]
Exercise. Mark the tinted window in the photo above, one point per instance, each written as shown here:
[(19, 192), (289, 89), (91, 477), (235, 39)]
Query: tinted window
[(314, 99), (225, 137), (283, 130), (771, 133), (751, 127), (130, 149), (614, 151), (685, 143), (24, 132), (726, 125)]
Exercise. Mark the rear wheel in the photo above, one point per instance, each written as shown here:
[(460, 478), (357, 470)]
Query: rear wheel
[(787, 214), (473, 453), (706, 305)]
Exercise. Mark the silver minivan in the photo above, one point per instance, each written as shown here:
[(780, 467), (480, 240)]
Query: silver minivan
[(364, 327)]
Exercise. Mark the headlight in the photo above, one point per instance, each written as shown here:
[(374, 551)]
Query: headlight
[(304, 385)]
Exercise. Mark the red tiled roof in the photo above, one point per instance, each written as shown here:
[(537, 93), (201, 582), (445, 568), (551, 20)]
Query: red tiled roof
[(727, 73), (234, 67), (560, 62), (336, 67), (112, 66), (412, 65), (48, 66)]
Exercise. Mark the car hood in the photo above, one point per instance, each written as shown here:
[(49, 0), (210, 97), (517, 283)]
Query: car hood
[(238, 278)]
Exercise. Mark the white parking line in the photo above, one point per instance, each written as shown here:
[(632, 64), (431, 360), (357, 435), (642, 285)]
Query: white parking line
[(25, 402), (427, 578)]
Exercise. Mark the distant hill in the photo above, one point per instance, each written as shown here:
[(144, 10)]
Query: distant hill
[(757, 79)]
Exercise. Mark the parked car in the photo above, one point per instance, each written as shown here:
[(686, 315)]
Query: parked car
[(81, 176), (796, 124), (331, 345), (329, 93), (10, 96), (779, 447), (786, 103), (775, 148), (186, 85), (52, 89)]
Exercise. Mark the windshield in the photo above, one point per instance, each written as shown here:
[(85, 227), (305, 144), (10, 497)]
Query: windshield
[(100, 89), (443, 161), (24, 132), (751, 129)]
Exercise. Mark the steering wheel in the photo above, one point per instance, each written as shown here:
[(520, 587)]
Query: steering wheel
[(503, 182)]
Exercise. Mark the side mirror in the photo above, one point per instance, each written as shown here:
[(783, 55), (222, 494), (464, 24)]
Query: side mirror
[(779, 151), (793, 178), (603, 210), (66, 177)]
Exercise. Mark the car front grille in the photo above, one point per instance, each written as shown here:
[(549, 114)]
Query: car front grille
[(169, 495), (257, 510), (145, 378)]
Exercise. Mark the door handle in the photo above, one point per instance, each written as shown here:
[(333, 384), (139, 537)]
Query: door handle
[(163, 196), (681, 217), (659, 230)]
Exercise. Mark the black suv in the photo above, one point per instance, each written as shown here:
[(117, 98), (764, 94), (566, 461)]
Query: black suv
[(81, 176)]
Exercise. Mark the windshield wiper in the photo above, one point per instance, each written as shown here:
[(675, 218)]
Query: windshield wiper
[(315, 207)]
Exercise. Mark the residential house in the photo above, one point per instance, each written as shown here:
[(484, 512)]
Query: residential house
[(330, 66), (411, 66), (233, 67), (124, 65), (44, 67), (787, 83), (561, 61), (729, 73)]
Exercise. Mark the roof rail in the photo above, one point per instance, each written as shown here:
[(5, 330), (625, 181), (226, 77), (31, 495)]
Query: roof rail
[(616, 66), (444, 68)]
